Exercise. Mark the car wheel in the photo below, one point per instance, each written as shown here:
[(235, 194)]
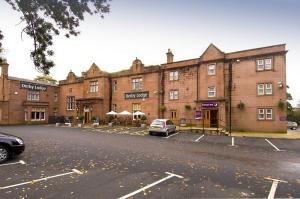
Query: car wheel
[(3, 154), (167, 133), (150, 133), (294, 128)]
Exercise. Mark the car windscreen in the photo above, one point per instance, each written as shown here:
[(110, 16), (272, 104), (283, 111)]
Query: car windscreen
[(157, 122)]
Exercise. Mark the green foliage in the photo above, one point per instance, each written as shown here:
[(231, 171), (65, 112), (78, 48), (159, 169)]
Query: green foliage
[(110, 118), (1, 37), (46, 78), (162, 108), (241, 105), (81, 118), (94, 118), (144, 118), (44, 19), (187, 107), (281, 105)]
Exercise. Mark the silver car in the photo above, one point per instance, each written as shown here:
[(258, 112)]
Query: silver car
[(292, 125), (162, 126)]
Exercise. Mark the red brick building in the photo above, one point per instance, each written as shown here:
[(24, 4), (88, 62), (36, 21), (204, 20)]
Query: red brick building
[(245, 90)]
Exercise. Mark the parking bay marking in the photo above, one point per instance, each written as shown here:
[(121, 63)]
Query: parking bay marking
[(170, 175), (197, 140), (42, 179), (19, 162), (277, 149), (274, 187), (171, 135)]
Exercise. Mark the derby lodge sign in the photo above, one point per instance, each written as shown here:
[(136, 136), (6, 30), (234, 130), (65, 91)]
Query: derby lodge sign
[(137, 95), (32, 86)]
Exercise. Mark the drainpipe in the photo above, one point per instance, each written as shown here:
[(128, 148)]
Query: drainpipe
[(229, 94), (110, 93)]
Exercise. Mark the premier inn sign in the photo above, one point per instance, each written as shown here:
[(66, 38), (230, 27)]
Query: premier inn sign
[(32, 86), (137, 95)]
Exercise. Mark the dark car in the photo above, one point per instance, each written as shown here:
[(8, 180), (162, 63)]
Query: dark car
[(10, 146)]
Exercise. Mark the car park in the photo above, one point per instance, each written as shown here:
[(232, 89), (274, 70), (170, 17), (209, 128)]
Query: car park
[(10, 146), (292, 125), (162, 126)]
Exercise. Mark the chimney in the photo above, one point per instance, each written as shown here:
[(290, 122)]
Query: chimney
[(169, 56), (4, 68)]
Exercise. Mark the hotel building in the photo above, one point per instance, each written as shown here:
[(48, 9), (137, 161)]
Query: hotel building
[(244, 90)]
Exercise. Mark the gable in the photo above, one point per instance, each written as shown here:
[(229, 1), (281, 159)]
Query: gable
[(212, 53), (93, 71)]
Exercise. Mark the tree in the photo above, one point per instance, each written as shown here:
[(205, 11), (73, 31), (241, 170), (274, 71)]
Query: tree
[(46, 78), (44, 19), (1, 37)]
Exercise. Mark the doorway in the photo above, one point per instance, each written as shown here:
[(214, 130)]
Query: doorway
[(87, 117), (206, 118), (214, 118)]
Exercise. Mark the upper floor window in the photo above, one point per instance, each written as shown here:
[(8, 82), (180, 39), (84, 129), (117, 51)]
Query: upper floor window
[(264, 64), (211, 91), (265, 114), (70, 103), (264, 89), (211, 69), (33, 96), (174, 75), (174, 95), (115, 85), (55, 97), (137, 83), (93, 86)]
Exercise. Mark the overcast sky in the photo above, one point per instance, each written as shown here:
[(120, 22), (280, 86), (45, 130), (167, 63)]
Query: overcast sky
[(146, 29)]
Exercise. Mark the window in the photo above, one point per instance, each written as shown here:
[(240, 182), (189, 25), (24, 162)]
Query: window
[(264, 89), (174, 95), (265, 114), (260, 89), (211, 69), (115, 86), (136, 107), (38, 114), (33, 96), (114, 107), (269, 115), (264, 64), (70, 103), (268, 88), (55, 97), (93, 86), (0, 71), (173, 75), (211, 91), (137, 83), (173, 114)]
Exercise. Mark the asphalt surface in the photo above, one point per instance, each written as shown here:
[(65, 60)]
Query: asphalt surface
[(114, 165)]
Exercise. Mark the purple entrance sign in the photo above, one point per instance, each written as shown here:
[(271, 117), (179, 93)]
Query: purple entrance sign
[(198, 115), (209, 104)]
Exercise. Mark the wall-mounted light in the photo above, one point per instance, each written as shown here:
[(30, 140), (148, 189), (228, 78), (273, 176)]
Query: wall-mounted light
[(280, 84)]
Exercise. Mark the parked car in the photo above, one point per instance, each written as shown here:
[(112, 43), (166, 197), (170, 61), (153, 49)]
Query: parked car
[(292, 125), (10, 146), (162, 126)]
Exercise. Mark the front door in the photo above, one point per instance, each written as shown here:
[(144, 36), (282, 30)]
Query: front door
[(86, 117), (214, 118), (206, 118)]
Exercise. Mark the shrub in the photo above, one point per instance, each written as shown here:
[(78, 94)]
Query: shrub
[(187, 107), (281, 105), (162, 108), (81, 118), (241, 105)]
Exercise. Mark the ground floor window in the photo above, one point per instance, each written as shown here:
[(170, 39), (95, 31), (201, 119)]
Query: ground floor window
[(38, 114), (174, 114), (265, 114), (136, 107)]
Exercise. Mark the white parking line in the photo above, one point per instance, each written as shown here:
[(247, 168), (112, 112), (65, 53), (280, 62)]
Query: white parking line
[(197, 140), (170, 175), (272, 145), (274, 187), (171, 135), (42, 179), (19, 162)]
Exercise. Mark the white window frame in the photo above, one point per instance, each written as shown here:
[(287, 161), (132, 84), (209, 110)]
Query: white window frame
[(268, 64), (260, 89), (260, 65), (115, 85), (174, 75), (268, 89), (33, 95), (39, 114), (174, 95), (211, 69), (94, 86), (137, 83), (261, 112), (55, 97), (70, 103), (211, 91), (269, 113)]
